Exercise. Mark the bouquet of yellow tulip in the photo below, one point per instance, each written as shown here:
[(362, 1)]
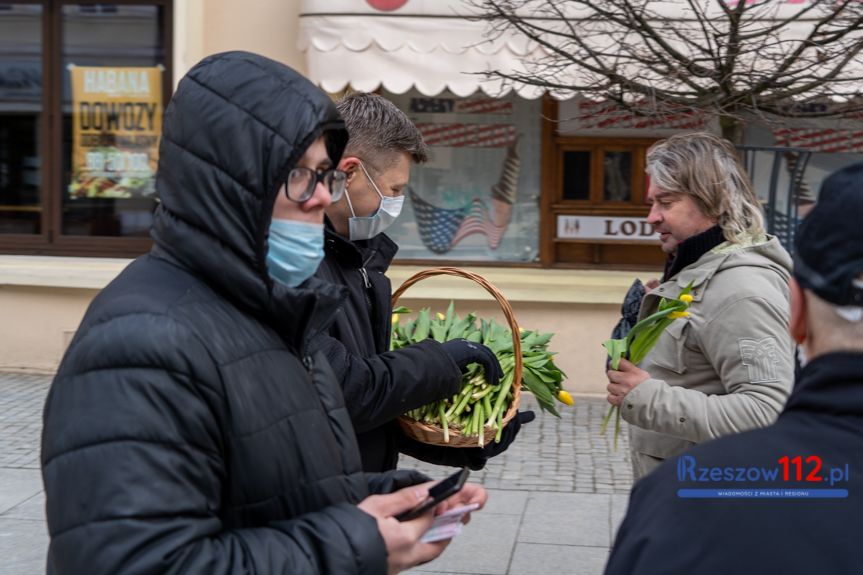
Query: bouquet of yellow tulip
[(641, 339)]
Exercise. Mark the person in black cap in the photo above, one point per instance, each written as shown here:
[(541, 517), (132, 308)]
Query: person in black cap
[(724, 507)]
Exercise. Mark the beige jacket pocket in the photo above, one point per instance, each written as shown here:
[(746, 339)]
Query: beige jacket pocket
[(656, 444), (670, 351)]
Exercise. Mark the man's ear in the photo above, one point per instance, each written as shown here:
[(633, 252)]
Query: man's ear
[(797, 326), (349, 165)]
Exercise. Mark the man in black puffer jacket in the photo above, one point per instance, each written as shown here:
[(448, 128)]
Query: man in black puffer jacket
[(379, 384), (189, 429)]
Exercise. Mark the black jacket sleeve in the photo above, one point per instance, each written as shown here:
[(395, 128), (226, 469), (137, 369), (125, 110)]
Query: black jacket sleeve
[(378, 389), (134, 471)]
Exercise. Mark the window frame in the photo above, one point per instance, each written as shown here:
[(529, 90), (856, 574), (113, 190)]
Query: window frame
[(566, 252), (50, 241)]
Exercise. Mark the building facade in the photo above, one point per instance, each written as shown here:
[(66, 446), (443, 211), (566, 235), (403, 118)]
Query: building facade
[(543, 196)]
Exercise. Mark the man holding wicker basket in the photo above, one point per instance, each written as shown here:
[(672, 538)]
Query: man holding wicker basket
[(379, 384)]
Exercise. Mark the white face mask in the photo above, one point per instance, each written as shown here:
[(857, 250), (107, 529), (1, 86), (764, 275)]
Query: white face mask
[(368, 227)]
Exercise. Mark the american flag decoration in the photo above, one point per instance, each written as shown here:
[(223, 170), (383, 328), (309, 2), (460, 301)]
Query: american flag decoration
[(441, 229), (478, 221), (437, 226), (821, 140)]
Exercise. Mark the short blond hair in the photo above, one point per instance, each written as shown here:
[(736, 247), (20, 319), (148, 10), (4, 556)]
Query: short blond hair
[(708, 169)]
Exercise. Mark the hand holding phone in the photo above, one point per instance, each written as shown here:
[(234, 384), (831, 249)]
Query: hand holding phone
[(437, 493)]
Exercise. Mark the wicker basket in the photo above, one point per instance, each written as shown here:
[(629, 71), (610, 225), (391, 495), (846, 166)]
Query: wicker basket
[(433, 434)]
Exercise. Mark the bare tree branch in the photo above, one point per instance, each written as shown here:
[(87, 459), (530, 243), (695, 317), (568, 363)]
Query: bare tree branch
[(713, 57)]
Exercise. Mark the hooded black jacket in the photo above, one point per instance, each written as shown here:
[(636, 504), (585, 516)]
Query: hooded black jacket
[(188, 430), (379, 385)]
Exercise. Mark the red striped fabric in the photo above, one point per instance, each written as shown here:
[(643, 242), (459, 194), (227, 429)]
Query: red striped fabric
[(468, 135), (598, 115), (821, 140), (477, 222), (483, 106)]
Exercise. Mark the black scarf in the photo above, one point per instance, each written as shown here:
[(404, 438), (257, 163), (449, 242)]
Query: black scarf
[(691, 249)]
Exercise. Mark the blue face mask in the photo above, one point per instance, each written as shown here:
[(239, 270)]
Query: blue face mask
[(296, 250)]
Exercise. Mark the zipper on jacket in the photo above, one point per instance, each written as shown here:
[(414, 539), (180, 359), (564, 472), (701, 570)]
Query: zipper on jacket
[(365, 275), (368, 285)]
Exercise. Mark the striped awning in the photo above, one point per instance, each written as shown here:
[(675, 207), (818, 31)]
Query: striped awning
[(438, 45), (429, 45)]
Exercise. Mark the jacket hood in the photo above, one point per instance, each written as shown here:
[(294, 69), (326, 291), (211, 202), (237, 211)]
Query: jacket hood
[(767, 253), (237, 124)]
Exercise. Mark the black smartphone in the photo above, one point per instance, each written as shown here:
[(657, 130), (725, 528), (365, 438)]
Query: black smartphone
[(437, 493)]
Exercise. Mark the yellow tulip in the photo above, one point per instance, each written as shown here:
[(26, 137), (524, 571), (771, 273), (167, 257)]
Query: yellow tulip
[(395, 318), (565, 397), (678, 314), (686, 298), (441, 316)]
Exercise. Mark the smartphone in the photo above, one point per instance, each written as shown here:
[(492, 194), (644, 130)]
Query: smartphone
[(437, 493)]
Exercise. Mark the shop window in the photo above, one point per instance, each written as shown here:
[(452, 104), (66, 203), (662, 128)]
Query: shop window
[(594, 206), (477, 198), (81, 100), (22, 119)]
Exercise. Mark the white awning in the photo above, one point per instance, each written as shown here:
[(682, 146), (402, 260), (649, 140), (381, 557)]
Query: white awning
[(434, 46), (426, 44)]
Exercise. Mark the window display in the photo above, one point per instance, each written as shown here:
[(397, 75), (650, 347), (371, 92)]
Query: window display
[(20, 119), (477, 198)]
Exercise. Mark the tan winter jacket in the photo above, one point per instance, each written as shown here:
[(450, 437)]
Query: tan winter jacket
[(726, 368)]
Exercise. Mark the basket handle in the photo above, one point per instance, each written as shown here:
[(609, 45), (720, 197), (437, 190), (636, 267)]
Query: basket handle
[(496, 294)]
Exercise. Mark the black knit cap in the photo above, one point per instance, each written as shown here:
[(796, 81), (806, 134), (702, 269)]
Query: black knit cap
[(829, 244)]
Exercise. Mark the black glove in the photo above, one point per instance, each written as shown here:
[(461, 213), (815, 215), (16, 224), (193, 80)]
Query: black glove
[(473, 457), (477, 458), (512, 428), (464, 353)]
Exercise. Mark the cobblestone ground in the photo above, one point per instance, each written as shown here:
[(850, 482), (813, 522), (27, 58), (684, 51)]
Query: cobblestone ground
[(567, 454), (21, 400), (556, 466)]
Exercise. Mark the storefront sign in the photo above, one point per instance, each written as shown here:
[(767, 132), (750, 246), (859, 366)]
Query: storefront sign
[(116, 125), (604, 228)]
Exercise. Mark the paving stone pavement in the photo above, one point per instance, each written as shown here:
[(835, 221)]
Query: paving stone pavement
[(556, 496), (567, 454), (21, 400)]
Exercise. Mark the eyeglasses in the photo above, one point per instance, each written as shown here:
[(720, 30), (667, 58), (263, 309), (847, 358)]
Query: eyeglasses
[(302, 181)]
